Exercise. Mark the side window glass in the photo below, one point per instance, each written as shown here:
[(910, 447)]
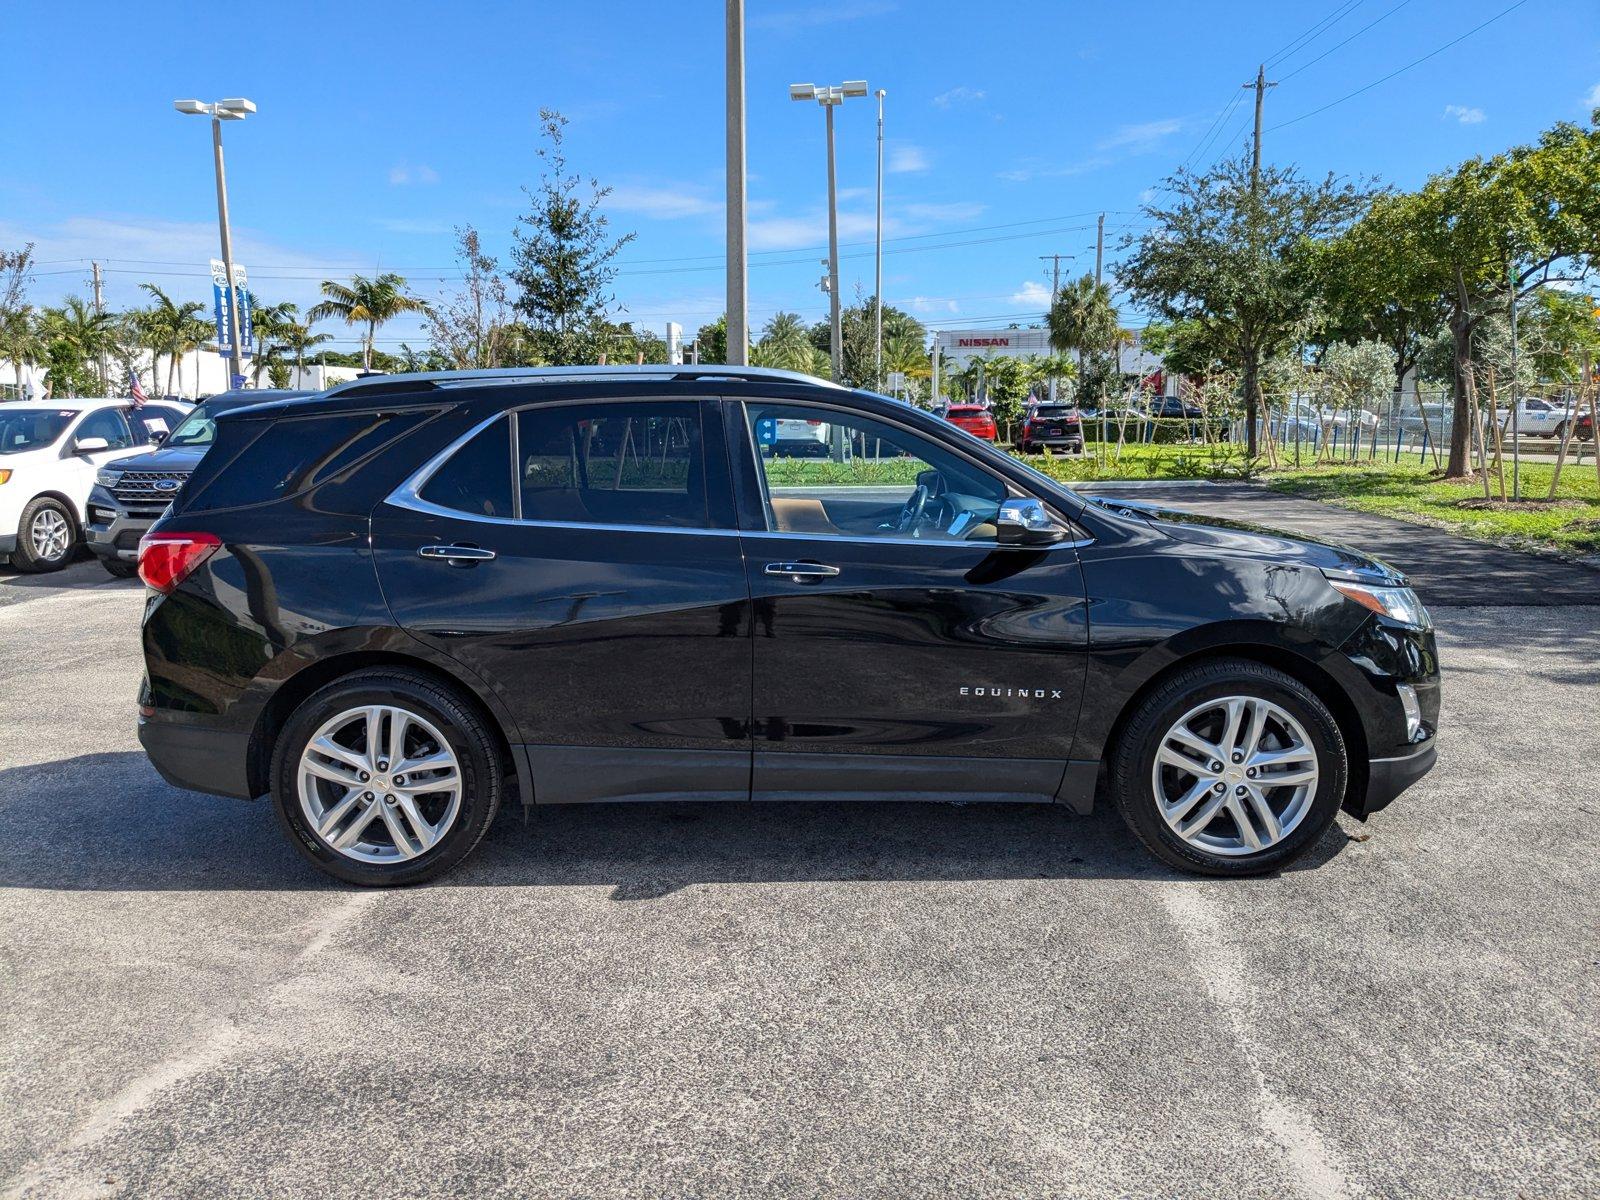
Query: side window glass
[(613, 464), (848, 475), (477, 479), (106, 423)]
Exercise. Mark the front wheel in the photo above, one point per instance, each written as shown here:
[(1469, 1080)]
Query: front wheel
[(46, 536), (385, 777), (1230, 768)]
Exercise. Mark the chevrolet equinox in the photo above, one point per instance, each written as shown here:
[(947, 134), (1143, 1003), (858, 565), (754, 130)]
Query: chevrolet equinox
[(395, 605)]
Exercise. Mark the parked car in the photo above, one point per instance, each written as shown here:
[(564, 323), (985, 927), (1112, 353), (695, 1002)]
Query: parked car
[(1583, 427), (974, 418), (49, 453), (396, 605), (1174, 406), (800, 439), (1057, 426), (130, 493)]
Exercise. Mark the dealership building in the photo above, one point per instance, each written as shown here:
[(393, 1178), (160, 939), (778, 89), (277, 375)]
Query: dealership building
[(961, 346)]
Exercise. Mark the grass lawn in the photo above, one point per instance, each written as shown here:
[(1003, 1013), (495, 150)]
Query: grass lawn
[(1570, 524)]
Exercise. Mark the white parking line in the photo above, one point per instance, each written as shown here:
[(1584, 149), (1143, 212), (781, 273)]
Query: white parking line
[(1222, 968)]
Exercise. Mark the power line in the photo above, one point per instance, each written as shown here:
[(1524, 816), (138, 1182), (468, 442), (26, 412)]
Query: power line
[(1311, 35), (1384, 17), (1401, 70)]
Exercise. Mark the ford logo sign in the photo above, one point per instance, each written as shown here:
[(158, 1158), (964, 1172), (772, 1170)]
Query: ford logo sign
[(168, 485)]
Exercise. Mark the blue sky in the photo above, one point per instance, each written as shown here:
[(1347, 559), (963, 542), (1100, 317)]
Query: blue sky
[(1009, 126)]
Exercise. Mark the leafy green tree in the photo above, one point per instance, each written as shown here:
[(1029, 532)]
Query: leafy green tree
[(564, 254), (1006, 383), (296, 338), (1358, 376), (1492, 230), (469, 327), (1185, 348), (1239, 258), (858, 332), (22, 343), (1567, 325), (372, 303), (75, 334), (711, 341)]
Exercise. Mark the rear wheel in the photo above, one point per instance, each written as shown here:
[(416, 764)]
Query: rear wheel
[(1230, 768), (386, 778), (46, 536)]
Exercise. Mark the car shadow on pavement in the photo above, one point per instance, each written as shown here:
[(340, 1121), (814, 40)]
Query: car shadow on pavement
[(107, 822)]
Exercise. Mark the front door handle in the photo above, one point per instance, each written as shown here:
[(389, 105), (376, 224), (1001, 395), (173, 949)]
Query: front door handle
[(456, 556), (802, 572)]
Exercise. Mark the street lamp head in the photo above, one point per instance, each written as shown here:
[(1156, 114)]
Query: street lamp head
[(881, 93), (802, 91), (238, 106), (855, 87), (192, 107)]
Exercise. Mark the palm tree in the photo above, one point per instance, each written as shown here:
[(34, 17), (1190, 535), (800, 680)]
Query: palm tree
[(1082, 319), (267, 324), (164, 327), (786, 345), (192, 334), (298, 338), (75, 335), (372, 302), (21, 343)]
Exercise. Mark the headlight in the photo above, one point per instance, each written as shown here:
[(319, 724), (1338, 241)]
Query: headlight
[(1397, 603), (107, 477)]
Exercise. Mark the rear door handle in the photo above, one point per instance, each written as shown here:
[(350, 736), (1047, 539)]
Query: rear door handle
[(460, 556), (802, 572)]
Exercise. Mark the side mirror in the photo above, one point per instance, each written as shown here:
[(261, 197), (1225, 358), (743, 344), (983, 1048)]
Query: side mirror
[(158, 436), (89, 445), (1026, 522)]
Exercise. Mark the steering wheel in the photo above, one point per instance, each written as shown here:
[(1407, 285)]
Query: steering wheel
[(911, 514)]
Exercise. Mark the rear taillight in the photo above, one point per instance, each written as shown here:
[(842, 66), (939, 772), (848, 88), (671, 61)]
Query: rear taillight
[(167, 559)]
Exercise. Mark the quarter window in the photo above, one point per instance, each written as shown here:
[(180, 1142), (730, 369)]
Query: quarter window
[(477, 479), (830, 473), (613, 464)]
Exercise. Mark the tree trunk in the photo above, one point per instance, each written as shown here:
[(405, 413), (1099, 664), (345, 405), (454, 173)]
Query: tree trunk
[(1462, 386), (1252, 404)]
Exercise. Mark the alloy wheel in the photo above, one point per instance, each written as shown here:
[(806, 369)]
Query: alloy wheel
[(50, 535), (1235, 776), (379, 784)]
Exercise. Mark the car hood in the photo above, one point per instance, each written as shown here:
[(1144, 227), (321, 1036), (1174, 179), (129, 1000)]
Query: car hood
[(178, 458), (1243, 537)]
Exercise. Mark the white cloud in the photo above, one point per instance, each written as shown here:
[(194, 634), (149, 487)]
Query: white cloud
[(933, 304), (1463, 114), (422, 226), (906, 159), (404, 173), (669, 203), (1032, 294), (958, 95), (1136, 139), (1034, 169), (1593, 98)]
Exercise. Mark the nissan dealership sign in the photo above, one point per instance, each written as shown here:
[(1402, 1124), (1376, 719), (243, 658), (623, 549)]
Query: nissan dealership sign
[(962, 345)]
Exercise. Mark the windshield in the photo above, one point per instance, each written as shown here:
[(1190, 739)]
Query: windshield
[(197, 429), (1052, 410), (23, 429)]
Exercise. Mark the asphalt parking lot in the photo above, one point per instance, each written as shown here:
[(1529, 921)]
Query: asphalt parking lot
[(799, 999)]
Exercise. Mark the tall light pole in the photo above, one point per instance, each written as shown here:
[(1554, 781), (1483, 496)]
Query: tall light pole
[(830, 97), (877, 286), (738, 285), (224, 110)]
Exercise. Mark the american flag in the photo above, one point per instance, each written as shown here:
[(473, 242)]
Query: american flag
[(135, 390)]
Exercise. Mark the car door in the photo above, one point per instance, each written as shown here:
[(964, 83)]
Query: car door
[(78, 466), (900, 650), (579, 558)]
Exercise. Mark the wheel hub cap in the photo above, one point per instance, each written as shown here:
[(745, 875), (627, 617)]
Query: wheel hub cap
[(364, 812), (1248, 805)]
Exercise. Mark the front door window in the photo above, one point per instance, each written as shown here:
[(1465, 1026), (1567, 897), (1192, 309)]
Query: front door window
[(846, 475)]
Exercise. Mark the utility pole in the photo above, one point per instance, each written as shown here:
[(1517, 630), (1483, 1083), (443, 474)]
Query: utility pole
[(738, 286), (877, 287), (99, 310), (1260, 85), (1099, 247), (1055, 290)]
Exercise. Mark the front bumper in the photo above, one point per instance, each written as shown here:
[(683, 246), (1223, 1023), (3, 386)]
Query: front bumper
[(1388, 777), (113, 529)]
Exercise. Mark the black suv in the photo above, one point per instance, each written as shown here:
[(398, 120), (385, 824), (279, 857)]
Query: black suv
[(130, 493), (396, 604)]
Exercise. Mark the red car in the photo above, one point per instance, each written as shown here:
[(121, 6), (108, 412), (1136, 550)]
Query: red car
[(974, 418), (1583, 427)]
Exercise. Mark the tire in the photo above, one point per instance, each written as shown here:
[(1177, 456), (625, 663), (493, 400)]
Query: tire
[(47, 535), (118, 569), (1561, 431), (442, 725), (1302, 731)]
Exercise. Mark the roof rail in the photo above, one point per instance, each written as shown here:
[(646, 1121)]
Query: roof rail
[(662, 373)]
